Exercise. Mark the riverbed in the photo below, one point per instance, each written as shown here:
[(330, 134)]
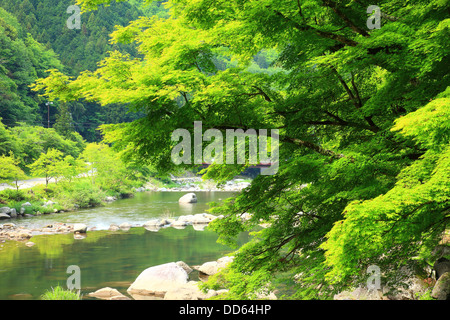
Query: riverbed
[(107, 258)]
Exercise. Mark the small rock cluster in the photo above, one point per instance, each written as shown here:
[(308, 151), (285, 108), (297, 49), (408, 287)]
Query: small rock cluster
[(7, 213), (9, 231), (198, 221), (197, 184)]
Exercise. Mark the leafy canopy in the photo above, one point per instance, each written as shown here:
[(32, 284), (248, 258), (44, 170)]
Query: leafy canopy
[(362, 114)]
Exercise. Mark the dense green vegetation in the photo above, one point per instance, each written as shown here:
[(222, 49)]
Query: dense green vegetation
[(363, 118), (364, 170), (22, 60), (36, 39), (46, 139), (77, 174)]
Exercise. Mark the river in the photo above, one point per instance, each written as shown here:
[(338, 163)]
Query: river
[(107, 258)]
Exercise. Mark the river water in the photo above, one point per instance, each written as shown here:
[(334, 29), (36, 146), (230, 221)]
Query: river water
[(105, 258)]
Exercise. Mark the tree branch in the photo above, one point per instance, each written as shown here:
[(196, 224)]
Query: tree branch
[(356, 90), (312, 146), (356, 100), (261, 92), (338, 122), (323, 34), (333, 6)]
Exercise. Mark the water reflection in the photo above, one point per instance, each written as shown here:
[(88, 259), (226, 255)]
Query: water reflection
[(104, 258), (187, 208), (108, 258)]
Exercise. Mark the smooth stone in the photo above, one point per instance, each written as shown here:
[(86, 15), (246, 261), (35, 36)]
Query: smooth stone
[(188, 198), (79, 227), (108, 294), (159, 279)]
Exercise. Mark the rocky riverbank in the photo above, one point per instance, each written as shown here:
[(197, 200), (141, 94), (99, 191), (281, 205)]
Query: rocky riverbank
[(9, 231), (173, 281), (195, 184)]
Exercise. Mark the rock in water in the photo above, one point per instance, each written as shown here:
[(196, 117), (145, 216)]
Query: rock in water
[(79, 227), (188, 198), (154, 223), (106, 293), (4, 216), (114, 227), (200, 218), (158, 280), (125, 226)]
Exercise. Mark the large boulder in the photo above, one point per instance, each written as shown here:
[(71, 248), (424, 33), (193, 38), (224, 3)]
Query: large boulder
[(441, 290), (188, 198), (157, 280)]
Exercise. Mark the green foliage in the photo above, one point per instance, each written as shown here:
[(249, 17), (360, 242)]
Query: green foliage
[(79, 194), (9, 195), (246, 286), (7, 141), (409, 218), (363, 120), (107, 170), (32, 141), (28, 51), (22, 60), (47, 165), (10, 171), (63, 124), (59, 293)]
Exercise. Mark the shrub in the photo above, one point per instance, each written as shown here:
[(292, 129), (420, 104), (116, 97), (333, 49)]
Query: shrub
[(58, 293), (80, 193), (12, 195)]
